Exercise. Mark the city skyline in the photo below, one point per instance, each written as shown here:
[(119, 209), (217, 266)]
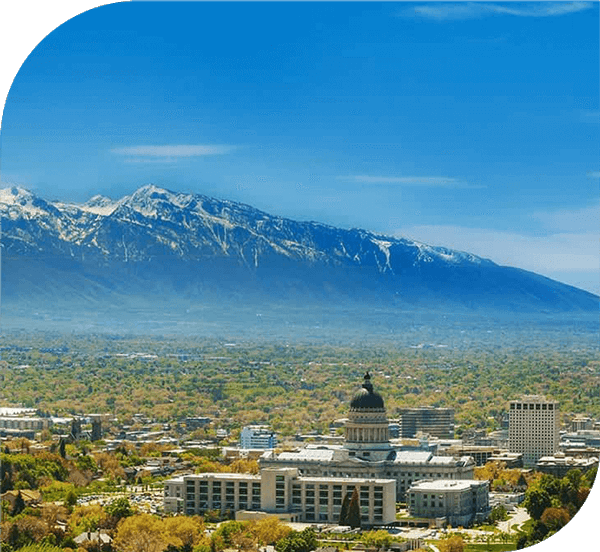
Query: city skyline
[(438, 122)]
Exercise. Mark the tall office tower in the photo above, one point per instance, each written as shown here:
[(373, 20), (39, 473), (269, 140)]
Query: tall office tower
[(533, 426), (437, 422)]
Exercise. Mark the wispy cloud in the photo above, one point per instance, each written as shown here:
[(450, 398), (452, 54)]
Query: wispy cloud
[(594, 174), (475, 10), (170, 153), (424, 181), (585, 219), (565, 249)]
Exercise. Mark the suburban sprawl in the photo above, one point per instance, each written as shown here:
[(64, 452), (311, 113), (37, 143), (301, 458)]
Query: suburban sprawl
[(149, 444)]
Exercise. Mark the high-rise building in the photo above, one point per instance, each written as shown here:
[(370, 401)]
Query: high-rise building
[(533, 427), (437, 422), (76, 429)]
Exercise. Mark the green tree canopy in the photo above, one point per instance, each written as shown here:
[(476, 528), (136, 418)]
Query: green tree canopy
[(119, 508), (303, 541)]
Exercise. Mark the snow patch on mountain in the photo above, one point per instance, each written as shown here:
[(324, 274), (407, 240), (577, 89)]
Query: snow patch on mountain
[(25, 202), (428, 253), (384, 247)]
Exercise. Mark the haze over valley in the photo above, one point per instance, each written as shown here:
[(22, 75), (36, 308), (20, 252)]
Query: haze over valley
[(158, 260)]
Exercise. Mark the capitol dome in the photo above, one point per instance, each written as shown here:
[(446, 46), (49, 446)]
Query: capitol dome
[(367, 433), (366, 398)]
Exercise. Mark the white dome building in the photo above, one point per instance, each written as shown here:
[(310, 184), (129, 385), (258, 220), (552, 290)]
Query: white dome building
[(367, 451)]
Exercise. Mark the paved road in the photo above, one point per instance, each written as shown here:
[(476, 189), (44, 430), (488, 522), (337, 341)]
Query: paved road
[(516, 519)]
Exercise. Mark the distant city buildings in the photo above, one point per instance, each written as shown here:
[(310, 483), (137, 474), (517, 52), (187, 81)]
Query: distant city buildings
[(368, 453), (533, 428), (197, 422), (437, 422), (310, 484), (581, 438), (21, 423), (96, 433), (25, 422), (559, 464), (257, 437), (580, 423)]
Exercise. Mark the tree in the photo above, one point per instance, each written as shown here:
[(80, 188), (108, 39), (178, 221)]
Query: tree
[(89, 517), (62, 449), (344, 510), (354, 510), (303, 541), (7, 477), (141, 533), (19, 505), (185, 532), (536, 501), (452, 544), (70, 499), (555, 518), (269, 530), (52, 513), (498, 513), (378, 539), (234, 534), (25, 530), (41, 547), (119, 508)]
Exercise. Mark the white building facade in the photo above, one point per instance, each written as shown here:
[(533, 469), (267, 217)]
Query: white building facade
[(368, 453), (460, 502), (533, 428), (280, 492), (257, 437)]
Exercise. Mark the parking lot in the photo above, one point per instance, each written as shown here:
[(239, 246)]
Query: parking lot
[(147, 501)]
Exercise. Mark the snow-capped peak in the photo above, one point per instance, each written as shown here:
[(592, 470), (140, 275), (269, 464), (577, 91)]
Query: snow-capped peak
[(100, 205), (26, 201), (16, 196), (149, 199)]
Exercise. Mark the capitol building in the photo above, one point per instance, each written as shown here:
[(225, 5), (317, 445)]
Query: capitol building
[(368, 453), (310, 484)]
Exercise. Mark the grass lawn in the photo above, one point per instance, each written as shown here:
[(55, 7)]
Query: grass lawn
[(493, 547)]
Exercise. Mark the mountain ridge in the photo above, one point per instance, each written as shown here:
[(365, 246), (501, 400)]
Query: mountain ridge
[(156, 243)]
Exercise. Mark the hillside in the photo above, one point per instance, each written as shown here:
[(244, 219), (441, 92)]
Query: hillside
[(163, 252)]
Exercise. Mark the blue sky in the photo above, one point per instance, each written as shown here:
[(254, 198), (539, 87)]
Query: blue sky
[(474, 125)]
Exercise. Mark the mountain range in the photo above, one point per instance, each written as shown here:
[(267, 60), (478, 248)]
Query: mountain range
[(163, 251)]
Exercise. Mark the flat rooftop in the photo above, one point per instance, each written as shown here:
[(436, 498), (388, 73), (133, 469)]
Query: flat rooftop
[(445, 485)]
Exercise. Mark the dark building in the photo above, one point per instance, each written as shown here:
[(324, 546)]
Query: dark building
[(437, 422), (75, 429), (96, 429)]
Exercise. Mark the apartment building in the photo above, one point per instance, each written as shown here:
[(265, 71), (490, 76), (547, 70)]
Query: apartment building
[(24, 423)]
